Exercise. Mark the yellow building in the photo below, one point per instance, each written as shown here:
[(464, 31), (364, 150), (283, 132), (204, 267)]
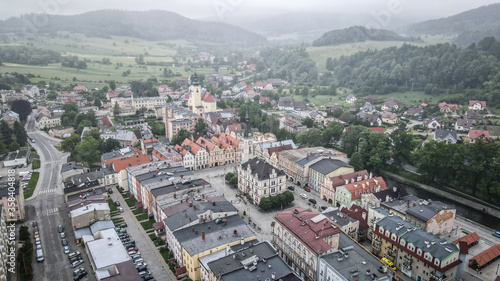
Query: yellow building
[(200, 101), (209, 237), (327, 168)]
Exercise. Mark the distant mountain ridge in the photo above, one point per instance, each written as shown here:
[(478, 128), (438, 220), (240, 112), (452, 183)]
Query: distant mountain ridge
[(469, 27), (150, 25), (355, 34)]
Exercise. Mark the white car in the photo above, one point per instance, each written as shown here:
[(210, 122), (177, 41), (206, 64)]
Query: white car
[(303, 195), (66, 249)]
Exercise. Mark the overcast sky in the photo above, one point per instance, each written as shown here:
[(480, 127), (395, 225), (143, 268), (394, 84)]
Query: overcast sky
[(221, 10)]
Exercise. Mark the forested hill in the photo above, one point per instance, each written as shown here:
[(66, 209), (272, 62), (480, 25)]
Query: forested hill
[(150, 25), (463, 74), (357, 34), (470, 26)]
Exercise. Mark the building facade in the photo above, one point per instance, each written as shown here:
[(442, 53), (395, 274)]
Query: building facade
[(259, 179)]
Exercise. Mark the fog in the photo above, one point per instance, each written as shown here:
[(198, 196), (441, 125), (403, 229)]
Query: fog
[(244, 10)]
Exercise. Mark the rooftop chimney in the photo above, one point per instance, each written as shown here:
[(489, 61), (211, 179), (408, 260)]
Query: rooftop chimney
[(235, 232), (203, 235)]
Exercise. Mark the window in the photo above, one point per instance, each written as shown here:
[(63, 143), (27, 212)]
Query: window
[(419, 252), (403, 242)]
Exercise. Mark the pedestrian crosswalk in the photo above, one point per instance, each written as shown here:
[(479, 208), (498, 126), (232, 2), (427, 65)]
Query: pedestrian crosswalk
[(48, 212), (52, 162), (47, 191)]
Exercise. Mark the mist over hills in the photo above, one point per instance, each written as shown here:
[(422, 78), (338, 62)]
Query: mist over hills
[(150, 25)]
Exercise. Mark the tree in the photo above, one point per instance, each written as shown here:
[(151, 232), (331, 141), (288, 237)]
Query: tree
[(375, 149), (88, 150), (356, 161), (24, 233), (304, 92), (200, 126), (70, 107), (20, 132), (403, 145), (289, 198), (181, 135), (90, 115), (234, 180), (5, 131), (337, 112), (329, 64), (97, 102), (112, 85), (69, 144), (351, 139), (310, 138), (265, 203), (347, 117), (116, 110), (21, 107), (332, 133), (229, 176), (110, 145), (82, 125), (307, 122)]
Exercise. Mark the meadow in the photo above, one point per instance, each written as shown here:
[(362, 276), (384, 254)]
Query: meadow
[(322, 53), (121, 52)]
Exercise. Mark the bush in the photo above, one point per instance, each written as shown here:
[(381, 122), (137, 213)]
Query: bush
[(229, 176)]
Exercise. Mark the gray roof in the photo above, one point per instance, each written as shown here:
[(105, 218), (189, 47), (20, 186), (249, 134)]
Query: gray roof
[(326, 166), (391, 193), (124, 152), (215, 234), (285, 101), (426, 212), (314, 156), (159, 178), (443, 134), (4, 188), (264, 270), (401, 205), (178, 187), (349, 96), (124, 135), (278, 143), (261, 168), (428, 242), (82, 231), (299, 104), (101, 225), (189, 215), (339, 218), (355, 259)]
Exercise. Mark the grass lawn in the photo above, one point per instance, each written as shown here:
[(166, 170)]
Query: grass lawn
[(142, 217), (137, 212), (112, 206), (153, 237), (494, 130), (58, 147), (131, 201), (35, 164), (147, 224), (31, 185)]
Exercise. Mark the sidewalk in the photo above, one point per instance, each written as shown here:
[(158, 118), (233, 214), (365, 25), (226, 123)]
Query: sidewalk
[(149, 252)]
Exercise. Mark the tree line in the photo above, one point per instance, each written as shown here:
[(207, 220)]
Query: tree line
[(28, 55), (464, 74)]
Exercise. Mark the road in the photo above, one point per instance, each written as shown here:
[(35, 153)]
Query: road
[(48, 208)]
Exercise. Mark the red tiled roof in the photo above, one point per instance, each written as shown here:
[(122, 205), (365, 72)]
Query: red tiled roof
[(307, 232), (278, 149), (207, 97), (482, 102), (112, 94), (474, 134), (451, 106), (423, 104), (247, 89), (486, 256), (120, 164), (233, 127), (377, 129), (79, 88), (356, 188), (469, 238), (205, 143), (261, 84), (150, 140), (158, 155), (340, 180), (264, 99), (128, 94), (106, 122)]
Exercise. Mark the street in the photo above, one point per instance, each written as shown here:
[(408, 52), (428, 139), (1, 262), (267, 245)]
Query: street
[(48, 208)]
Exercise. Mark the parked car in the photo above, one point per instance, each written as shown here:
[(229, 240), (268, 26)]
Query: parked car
[(139, 264), (135, 256), (66, 249), (291, 187), (37, 241), (110, 191), (60, 228), (35, 224), (496, 234), (303, 195), (123, 225), (125, 240), (77, 258), (38, 246), (78, 271), (133, 249), (131, 253), (80, 275), (117, 203), (322, 208), (76, 263), (35, 229), (36, 234), (307, 189), (144, 273), (63, 235), (74, 254), (142, 268), (147, 278), (312, 201), (138, 260), (64, 242)]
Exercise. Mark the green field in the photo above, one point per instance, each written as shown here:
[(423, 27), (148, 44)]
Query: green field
[(322, 53), (94, 49)]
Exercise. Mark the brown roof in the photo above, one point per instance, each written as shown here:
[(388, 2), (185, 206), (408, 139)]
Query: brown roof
[(207, 97), (469, 238), (474, 134), (278, 149), (205, 143), (370, 185), (340, 180), (120, 164), (486, 256), (308, 231)]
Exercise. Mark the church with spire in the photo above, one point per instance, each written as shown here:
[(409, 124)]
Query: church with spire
[(200, 101), (247, 141)]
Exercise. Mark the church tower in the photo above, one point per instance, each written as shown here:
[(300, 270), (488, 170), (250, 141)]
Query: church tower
[(247, 141), (195, 91)]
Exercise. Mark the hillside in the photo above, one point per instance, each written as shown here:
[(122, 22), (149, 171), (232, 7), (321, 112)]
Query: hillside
[(358, 34), (469, 27), (150, 25)]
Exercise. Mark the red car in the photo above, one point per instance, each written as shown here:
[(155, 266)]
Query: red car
[(307, 189)]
